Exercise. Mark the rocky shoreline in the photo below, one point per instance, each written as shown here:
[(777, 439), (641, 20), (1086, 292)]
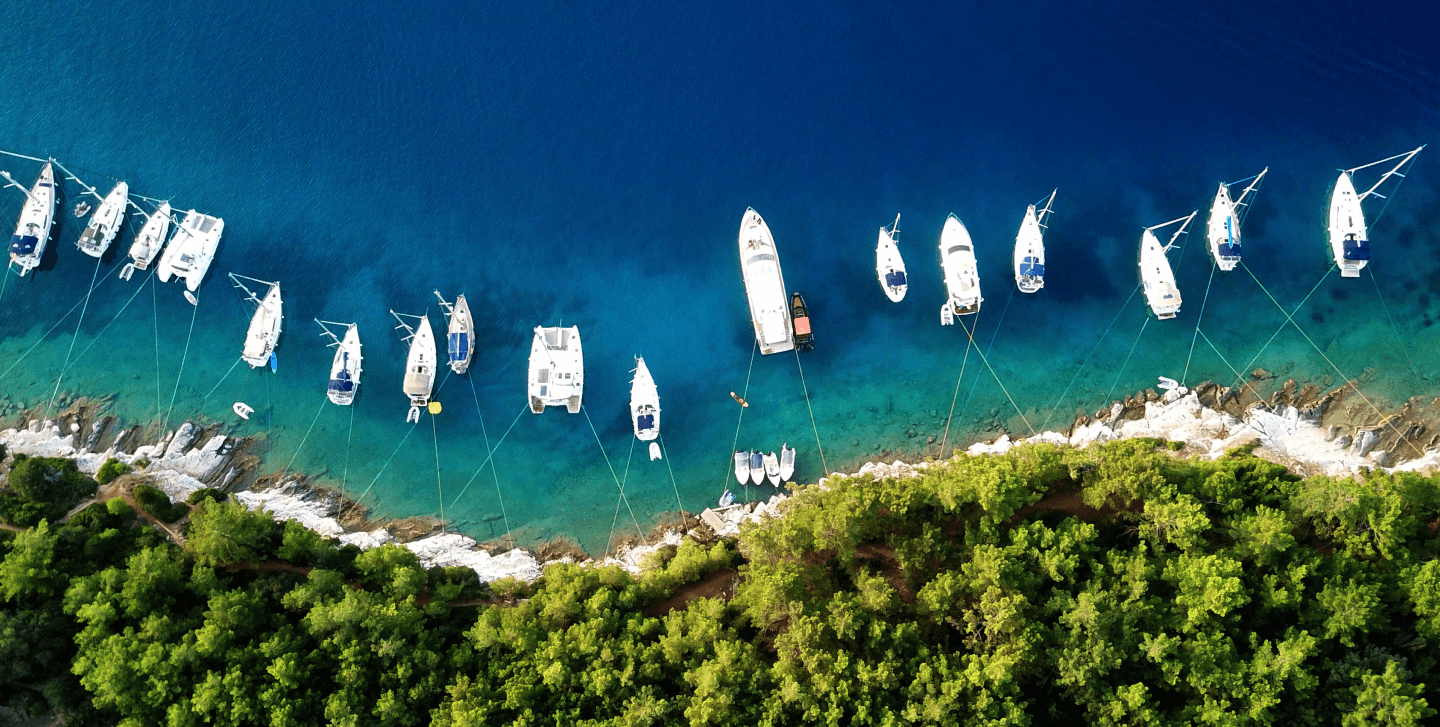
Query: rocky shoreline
[(1336, 432)]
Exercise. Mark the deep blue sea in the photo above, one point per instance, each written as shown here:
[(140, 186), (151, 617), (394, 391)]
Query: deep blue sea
[(590, 166)]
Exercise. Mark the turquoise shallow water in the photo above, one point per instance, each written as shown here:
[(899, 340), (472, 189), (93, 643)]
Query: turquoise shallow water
[(591, 169)]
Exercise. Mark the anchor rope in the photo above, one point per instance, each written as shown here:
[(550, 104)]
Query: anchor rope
[(52, 329), (1109, 397), (1198, 318), (356, 503), (1217, 353), (813, 426), (489, 457), (155, 319), (195, 310), (349, 438), (986, 361), (439, 490), (665, 455), (616, 518), (611, 467), (745, 392), (64, 367), (969, 342), (301, 448), (1240, 378), (221, 381), (1393, 329), (96, 339), (4, 283), (1088, 356), (493, 471), (1348, 382), (993, 335)]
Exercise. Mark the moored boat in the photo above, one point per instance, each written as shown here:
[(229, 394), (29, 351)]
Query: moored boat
[(757, 468), (962, 278), (557, 369), (1156, 276), (346, 366), (265, 324), (1222, 228), (37, 217), (889, 266), (190, 252), (800, 319), (420, 363), (1029, 255), (764, 285), (772, 468), (644, 403), (1349, 236), (742, 466), (105, 223), (149, 242), (787, 462), (460, 333)]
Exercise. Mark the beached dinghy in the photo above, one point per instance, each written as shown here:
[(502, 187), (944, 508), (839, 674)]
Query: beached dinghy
[(757, 468), (105, 223), (557, 369), (460, 334), (962, 278), (787, 462), (345, 368), (772, 469), (1222, 229), (889, 266), (1155, 274), (191, 251), (149, 242), (764, 285), (644, 403), (419, 362), (1349, 237), (742, 466), (32, 232), (1029, 256), (265, 324)]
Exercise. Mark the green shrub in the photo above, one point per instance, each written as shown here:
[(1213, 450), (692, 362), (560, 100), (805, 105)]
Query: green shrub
[(54, 480), (110, 470), (158, 504), (26, 513), (209, 493)]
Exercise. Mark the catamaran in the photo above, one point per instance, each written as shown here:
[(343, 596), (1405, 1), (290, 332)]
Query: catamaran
[(32, 232), (1223, 228), (1349, 237), (265, 324), (1155, 274), (191, 251), (105, 223), (772, 468), (787, 462), (962, 279), (149, 242), (460, 333), (889, 266), (557, 369), (419, 363), (1030, 247), (644, 403), (764, 285), (345, 369)]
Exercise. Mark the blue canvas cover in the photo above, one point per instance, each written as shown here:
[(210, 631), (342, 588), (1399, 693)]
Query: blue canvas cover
[(895, 278), (1357, 250), (755, 461), (1029, 267), (23, 245), (342, 382), (645, 422), (459, 346), (1229, 249)]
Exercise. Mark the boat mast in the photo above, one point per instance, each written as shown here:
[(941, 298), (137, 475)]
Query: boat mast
[(1250, 189), (12, 183), (1045, 210), (236, 278), (1394, 172), (324, 331), (1178, 232), (409, 329), (448, 308), (894, 227)]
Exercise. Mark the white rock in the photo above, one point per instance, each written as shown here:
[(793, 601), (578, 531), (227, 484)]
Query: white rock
[(449, 550)]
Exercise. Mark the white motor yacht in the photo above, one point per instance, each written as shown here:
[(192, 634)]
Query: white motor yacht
[(757, 468), (420, 363), (191, 250), (764, 286), (1349, 237), (557, 369), (1029, 255), (962, 278), (772, 468), (742, 466), (265, 324), (105, 223), (149, 242), (787, 462), (32, 232), (1155, 273), (460, 333), (889, 266), (644, 403), (345, 368)]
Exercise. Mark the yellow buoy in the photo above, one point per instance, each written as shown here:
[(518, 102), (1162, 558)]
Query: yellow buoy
[(434, 407)]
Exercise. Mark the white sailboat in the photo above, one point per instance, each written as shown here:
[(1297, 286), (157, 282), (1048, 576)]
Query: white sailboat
[(742, 466), (148, 243), (889, 266), (557, 369), (191, 251), (787, 462), (419, 362), (345, 368), (1349, 236), (32, 232), (105, 223), (460, 333), (265, 324), (1222, 229), (1155, 274), (772, 468), (1029, 256), (764, 285), (644, 403), (962, 278), (757, 468)]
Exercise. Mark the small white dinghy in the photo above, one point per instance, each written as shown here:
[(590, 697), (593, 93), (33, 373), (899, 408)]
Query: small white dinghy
[(962, 278), (265, 324), (149, 242), (757, 468), (557, 369), (32, 232), (742, 466), (345, 368), (889, 266), (1029, 256), (1222, 229), (644, 403), (1349, 236), (1155, 274), (787, 462), (655, 451), (772, 468), (242, 409), (460, 333), (105, 223), (419, 362)]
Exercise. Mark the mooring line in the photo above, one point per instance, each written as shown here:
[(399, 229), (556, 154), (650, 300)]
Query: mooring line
[(1109, 397), (988, 347), (1198, 319), (349, 438), (490, 456), (996, 376), (1088, 356), (1288, 320), (51, 330), (813, 426), (616, 518), (1220, 355), (744, 393), (612, 471), (221, 381), (195, 310), (155, 319), (357, 500), (969, 343), (96, 339), (1393, 329), (300, 448), (493, 470), (64, 367), (665, 454), (439, 490)]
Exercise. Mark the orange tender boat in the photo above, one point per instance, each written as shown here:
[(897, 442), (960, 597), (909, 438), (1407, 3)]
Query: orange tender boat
[(800, 315)]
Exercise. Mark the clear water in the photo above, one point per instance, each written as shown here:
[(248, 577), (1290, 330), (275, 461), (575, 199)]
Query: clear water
[(577, 166)]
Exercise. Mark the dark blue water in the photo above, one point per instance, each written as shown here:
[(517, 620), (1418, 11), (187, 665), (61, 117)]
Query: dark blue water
[(590, 167)]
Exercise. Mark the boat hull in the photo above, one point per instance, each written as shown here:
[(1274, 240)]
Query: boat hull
[(890, 267), (37, 218), (764, 286), (191, 250), (1222, 231), (264, 331), (150, 241), (420, 362), (557, 369), (1158, 279), (1349, 241), (957, 262), (644, 403), (105, 223), (345, 369), (1029, 255), (460, 336)]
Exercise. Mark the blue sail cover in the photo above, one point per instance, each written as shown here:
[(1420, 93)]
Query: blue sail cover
[(645, 422), (895, 278), (23, 245), (459, 346), (342, 382), (1030, 267), (1357, 250), (1229, 249)]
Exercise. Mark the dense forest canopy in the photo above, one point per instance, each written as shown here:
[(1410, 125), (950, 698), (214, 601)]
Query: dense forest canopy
[(1114, 585)]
